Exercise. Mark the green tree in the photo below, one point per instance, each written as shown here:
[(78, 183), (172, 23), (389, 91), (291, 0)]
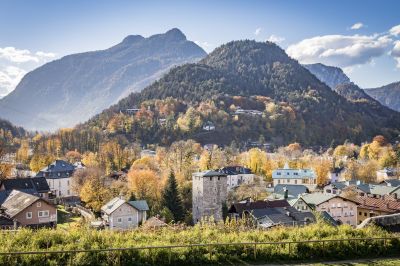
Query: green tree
[(172, 199)]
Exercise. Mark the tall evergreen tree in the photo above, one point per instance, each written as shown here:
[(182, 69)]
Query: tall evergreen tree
[(172, 199)]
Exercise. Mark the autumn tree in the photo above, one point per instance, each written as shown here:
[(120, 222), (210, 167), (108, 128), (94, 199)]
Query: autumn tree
[(171, 198), (39, 161), (95, 192), (5, 168), (322, 167), (80, 176), (146, 185), (23, 152), (73, 156)]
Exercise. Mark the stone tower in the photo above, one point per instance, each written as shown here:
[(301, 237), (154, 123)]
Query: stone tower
[(209, 189)]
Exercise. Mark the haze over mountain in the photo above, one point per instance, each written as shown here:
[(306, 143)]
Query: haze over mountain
[(294, 104), (331, 76), (388, 95), (76, 87)]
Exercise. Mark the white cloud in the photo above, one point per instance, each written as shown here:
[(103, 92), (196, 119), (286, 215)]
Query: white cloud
[(10, 76), (357, 26), (340, 50), (208, 47), (275, 39), (396, 52), (395, 30), (15, 63), (15, 55), (257, 31), (45, 55)]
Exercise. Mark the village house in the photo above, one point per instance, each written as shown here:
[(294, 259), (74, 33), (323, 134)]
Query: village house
[(390, 182), (237, 175), (121, 214), (292, 176), (371, 207), (299, 204), (58, 175), (341, 209), (29, 210), (209, 126), (289, 191), (237, 210), (386, 173), (36, 186), (209, 192), (335, 175)]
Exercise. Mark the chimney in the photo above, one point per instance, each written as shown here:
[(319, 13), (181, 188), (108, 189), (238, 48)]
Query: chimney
[(286, 193)]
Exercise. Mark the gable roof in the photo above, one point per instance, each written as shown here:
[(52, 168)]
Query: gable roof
[(30, 185), (140, 205), (235, 170), (209, 173), (57, 169), (376, 189), (282, 215), (389, 206), (260, 204), (293, 190), (392, 182), (18, 201), (112, 205), (317, 198)]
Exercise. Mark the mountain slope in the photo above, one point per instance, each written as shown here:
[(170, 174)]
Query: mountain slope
[(388, 95), (292, 104), (331, 76), (74, 88)]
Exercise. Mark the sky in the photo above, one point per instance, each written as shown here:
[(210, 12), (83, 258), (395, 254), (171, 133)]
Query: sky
[(362, 37)]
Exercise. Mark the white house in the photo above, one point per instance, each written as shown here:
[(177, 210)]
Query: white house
[(209, 126), (58, 176), (292, 176), (121, 214), (237, 175), (336, 175)]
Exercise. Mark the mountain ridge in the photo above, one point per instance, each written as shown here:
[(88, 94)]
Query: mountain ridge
[(75, 87), (248, 69)]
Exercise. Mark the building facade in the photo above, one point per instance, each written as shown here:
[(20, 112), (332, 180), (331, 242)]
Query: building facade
[(237, 175), (209, 190), (58, 176), (122, 215), (292, 176)]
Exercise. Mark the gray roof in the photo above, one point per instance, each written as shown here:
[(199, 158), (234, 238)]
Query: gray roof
[(17, 201), (392, 182), (3, 196), (317, 198), (209, 173), (285, 215), (140, 205), (376, 189), (57, 169), (112, 205), (293, 190), (34, 184)]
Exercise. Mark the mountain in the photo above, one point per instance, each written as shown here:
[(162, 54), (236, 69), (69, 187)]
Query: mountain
[(288, 102), (388, 95), (76, 87), (331, 76)]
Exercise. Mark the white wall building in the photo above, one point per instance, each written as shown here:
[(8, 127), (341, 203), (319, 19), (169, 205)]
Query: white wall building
[(292, 176), (121, 214), (237, 175)]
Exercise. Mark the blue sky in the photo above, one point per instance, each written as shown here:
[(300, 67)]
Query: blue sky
[(35, 32)]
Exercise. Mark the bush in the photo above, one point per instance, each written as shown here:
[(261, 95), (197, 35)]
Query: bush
[(231, 232)]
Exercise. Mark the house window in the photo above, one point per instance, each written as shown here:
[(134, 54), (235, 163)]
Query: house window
[(333, 205), (39, 204), (42, 214), (129, 219), (29, 215), (279, 181), (328, 191), (288, 181), (278, 173), (295, 181), (338, 205), (359, 213), (119, 220)]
